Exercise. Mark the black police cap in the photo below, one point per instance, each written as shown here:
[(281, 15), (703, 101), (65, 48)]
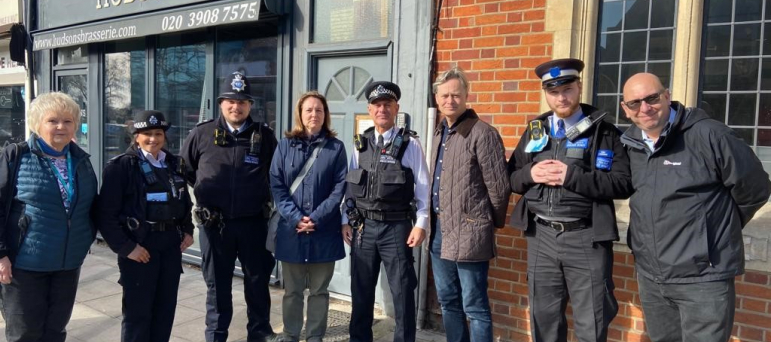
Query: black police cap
[(559, 72), (149, 119), (236, 87), (382, 90)]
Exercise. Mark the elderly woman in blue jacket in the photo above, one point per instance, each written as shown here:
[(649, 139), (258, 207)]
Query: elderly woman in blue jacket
[(309, 238), (47, 187)]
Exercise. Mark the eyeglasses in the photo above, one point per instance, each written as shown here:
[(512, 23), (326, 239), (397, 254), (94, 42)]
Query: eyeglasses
[(652, 99)]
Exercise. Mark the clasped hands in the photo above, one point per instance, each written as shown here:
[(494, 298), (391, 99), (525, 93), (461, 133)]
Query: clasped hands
[(550, 172)]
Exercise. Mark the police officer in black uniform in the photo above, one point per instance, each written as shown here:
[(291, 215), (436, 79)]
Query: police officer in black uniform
[(144, 214), (569, 166), (387, 174), (228, 161)]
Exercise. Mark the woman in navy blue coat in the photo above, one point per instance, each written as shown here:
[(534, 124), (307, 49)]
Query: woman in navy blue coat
[(309, 238)]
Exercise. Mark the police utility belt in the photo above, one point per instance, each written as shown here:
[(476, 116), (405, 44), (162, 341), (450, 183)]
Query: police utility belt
[(388, 215), (568, 226)]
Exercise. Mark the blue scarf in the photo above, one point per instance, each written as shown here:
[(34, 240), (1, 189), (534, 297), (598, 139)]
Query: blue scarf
[(47, 149)]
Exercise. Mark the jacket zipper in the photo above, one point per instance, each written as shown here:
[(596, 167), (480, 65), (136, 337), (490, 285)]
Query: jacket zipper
[(233, 179), (69, 214), (552, 189)]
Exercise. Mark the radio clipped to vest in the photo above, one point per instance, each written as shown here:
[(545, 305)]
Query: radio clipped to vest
[(582, 126), (255, 143)]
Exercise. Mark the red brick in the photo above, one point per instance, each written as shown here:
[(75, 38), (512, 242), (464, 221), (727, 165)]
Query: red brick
[(535, 15), (639, 325), (752, 290), (485, 86), (537, 27), (539, 3), (538, 51), (464, 11), (465, 43), (507, 296), (756, 278), (489, 19), (509, 120), (512, 63), (750, 333), (465, 54), (519, 51), (625, 322), (530, 85), (543, 38), (467, 32), (501, 309), (514, 17), (488, 64), (446, 23), (447, 44), (491, 8), (497, 273), (513, 28), (488, 53), (513, 40), (754, 319), (510, 97), (484, 97), (511, 75), (487, 108), (752, 305), (533, 62), (489, 30), (516, 5), (508, 131), (624, 271), (534, 96), (467, 2), (489, 41)]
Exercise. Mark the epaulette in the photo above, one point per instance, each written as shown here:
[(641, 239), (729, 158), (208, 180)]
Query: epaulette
[(204, 122), (412, 133)]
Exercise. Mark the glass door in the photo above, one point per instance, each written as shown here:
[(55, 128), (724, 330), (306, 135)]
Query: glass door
[(74, 83)]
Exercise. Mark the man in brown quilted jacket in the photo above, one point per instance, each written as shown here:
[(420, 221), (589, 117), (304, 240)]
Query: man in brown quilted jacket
[(469, 197)]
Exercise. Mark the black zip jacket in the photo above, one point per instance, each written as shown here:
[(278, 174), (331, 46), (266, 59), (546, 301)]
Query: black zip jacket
[(123, 195), (693, 195), (227, 177), (584, 182)]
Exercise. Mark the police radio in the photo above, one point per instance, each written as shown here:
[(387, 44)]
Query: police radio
[(148, 173), (255, 142), (396, 145), (582, 126)]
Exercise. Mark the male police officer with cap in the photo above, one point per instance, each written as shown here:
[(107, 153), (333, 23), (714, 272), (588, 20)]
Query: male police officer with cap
[(228, 161), (387, 172), (569, 166)]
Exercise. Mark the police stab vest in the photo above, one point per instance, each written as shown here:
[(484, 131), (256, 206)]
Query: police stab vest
[(382, 183), (164, 203)]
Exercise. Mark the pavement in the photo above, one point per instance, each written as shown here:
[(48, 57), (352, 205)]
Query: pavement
[(97, 313)]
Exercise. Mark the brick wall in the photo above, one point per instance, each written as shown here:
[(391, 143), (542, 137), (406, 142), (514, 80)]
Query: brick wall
[(498, 43)]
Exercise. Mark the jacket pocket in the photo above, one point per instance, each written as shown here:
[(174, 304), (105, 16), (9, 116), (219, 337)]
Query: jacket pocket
[(535, 193), (390, 185), (356, 184)]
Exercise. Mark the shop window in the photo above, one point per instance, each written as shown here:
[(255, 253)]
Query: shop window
[(735, 76), (253, 52), (180, 70), (347, 20), (125, 65), (633, 36), (11, 115), (72, 55)]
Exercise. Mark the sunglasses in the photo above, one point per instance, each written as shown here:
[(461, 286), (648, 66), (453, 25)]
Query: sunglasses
[(652, 99)]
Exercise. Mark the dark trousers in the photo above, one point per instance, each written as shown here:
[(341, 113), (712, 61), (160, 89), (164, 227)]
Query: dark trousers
[(386, 242), (461, 288), (702, 312), (242, 238), (150, 290), (37, 306), (569, 264)]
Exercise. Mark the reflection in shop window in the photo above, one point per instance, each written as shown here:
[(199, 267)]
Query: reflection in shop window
[(11, 115), (348, 20), (256, 56), (180, 69), (124, 93), (72, 55), (634, 36), (735, 73)]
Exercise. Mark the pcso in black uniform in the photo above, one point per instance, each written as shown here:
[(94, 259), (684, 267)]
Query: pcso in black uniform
[(569, 166), (387, 173), (228, 161), (144, 214)]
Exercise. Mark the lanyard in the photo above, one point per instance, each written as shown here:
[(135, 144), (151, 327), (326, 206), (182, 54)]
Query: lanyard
[(69, 185)]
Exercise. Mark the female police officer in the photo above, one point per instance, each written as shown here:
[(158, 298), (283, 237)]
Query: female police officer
[(144, 215)]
